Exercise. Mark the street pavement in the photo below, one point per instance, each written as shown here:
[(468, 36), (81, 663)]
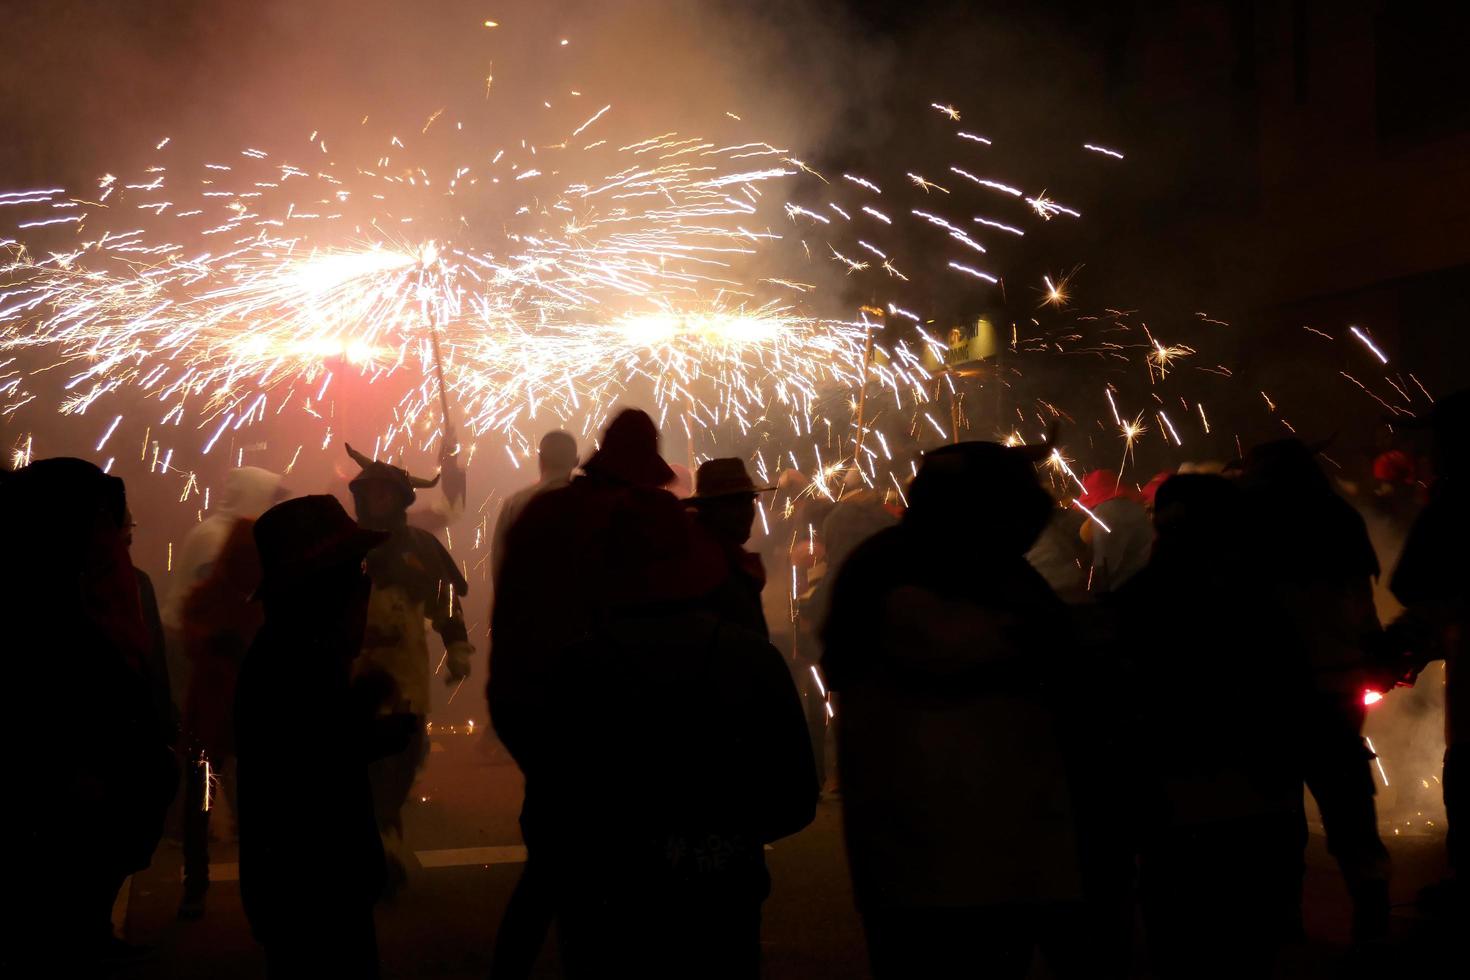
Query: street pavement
[(462, 826)]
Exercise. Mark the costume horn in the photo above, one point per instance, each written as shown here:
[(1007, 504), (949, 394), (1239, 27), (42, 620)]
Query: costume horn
[(1043, 449), (357, 457), (419, 483)]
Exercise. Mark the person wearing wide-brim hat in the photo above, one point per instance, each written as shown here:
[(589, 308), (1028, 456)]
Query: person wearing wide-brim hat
[(311, 861), (723, 504)]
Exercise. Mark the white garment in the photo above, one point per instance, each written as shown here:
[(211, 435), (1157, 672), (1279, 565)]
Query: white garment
[(248, 492)]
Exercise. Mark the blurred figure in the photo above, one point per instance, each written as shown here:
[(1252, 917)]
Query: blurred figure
[(800, 555), (724, 504), (414, 580), (1316, 556), (247, 493), (859, 513), (1150, 490), (1432, 580), (311, 860), (1120, 536), (550, 594), (218, 620), (943, 645), (1220, 802), (96, 787), (555, 459), (1398, 480), (659, 861), (1059, 556)]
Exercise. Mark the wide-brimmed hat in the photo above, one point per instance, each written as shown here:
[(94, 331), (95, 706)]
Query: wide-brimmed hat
[(723, 478), (301, 537), (629, 452)]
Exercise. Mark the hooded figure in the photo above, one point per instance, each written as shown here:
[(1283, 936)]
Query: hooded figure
[(1315, 553), (944, 644), (215, 621), (248, 492), (555, 585), (659, 867), (414, 579)]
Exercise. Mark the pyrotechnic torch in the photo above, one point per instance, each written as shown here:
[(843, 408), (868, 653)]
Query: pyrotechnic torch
[(453, 475)]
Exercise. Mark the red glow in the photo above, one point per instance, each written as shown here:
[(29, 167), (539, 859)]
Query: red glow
[(1370, 698)]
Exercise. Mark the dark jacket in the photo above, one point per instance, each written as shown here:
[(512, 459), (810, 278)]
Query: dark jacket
[(713, 755), (1221, 681), (308, 837), (738, 599), (552, 590), (945, 664), (1432, 580)]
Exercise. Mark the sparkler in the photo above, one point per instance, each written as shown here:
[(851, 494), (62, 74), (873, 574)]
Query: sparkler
[(220, 297)]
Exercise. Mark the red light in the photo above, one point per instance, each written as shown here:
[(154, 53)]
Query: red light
[(1370, 698)]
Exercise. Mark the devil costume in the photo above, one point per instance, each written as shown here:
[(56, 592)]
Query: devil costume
[(414, 579)]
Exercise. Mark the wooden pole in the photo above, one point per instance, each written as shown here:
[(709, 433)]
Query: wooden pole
[(862, 398)]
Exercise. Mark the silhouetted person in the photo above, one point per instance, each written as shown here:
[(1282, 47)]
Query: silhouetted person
[(859, 513), (1119, 536), (949, 653), (218, 620), (1221, 682), (1314, 551), (414, 580), (658, 861), (311, 860), (1432, 580), (92, 789), (155, 659), (724, 504), (556, 458), (550, 594)]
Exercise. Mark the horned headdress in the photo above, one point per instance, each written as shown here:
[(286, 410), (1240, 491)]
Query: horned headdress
[(374, 471)]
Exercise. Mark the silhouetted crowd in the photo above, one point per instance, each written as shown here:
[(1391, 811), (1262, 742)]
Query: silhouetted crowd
[(1054, 719)]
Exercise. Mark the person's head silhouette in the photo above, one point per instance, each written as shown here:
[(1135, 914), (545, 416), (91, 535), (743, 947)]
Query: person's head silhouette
[(981, 496), (629, 452)]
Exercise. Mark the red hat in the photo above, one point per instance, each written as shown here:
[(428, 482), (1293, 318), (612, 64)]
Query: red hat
[(1394, 466), (1152, 486), (1100, 486)]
